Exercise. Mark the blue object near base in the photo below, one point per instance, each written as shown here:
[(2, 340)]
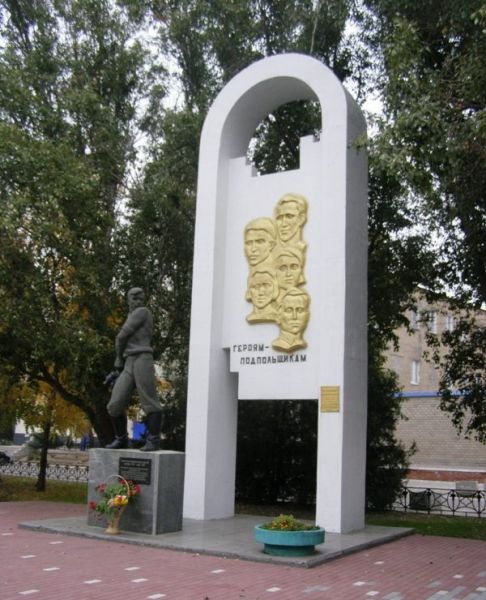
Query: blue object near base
[(275, 550), (289, 543)]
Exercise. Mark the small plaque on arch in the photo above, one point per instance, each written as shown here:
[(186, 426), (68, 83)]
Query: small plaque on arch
[(330, 398)]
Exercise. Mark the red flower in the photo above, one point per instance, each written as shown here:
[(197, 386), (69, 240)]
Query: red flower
[(133, 489), (92, 505)]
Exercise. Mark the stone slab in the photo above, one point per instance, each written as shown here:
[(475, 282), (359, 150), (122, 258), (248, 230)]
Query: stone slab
[(228, 538), (158, 509)]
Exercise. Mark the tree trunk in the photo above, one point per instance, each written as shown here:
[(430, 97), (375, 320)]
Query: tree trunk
[(40, 486), (103, 427), (7, 432)]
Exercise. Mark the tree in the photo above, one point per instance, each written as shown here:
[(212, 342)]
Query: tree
[(40, 407), (434, 93), (463, 366), (398, 261), (386, 459), (71, 74)]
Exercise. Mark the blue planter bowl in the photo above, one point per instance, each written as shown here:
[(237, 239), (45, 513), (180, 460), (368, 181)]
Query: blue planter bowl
[(289, 543)]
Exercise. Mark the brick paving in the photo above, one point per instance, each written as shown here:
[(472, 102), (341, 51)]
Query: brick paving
[(46, 566)]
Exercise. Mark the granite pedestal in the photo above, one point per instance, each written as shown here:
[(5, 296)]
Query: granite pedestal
[(158, 508)]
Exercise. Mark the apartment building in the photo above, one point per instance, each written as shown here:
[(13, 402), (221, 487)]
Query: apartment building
[(442, 454)]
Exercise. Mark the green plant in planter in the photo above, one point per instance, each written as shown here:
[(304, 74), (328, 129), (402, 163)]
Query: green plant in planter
[(288, 523), (286, 536)]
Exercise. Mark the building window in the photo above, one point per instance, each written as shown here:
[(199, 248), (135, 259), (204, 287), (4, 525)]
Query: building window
[(432, 321), (415, 372), (414, 321), (449, 323)]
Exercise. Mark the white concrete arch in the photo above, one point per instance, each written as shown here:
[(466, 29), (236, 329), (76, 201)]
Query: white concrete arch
[(333, 175)]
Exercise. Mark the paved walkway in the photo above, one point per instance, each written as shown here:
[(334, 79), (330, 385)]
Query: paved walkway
[(47, 566)]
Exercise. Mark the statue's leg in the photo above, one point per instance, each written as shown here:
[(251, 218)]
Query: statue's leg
[(145, 381), (154, 423), (120, 397)]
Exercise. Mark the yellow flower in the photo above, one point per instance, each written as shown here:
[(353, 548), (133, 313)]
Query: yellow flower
[(118, 500)]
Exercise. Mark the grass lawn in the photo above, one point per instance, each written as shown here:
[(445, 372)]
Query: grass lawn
[(472, 528), (23, 489)]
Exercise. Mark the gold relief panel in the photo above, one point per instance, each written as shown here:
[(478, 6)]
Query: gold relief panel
[(275, 250)]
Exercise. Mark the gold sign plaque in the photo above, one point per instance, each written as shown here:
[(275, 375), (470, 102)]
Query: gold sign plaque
[(330, 398)]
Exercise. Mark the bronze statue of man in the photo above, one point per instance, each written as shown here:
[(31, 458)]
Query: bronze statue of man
[(134, 358)]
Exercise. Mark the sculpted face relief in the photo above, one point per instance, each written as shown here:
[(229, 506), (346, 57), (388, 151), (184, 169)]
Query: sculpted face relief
[(275, 251), (291, 216), (257, 246), (262, 289), (287, 220), (293, 316), (262, 292), (260, 239), (293, 313), (289, 270)]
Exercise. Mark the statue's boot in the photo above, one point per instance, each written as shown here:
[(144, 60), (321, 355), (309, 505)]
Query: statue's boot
[(154, 423), (121, 436)]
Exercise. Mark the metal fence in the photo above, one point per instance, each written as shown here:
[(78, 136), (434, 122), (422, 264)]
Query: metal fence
[(455, 502), (60, 472)]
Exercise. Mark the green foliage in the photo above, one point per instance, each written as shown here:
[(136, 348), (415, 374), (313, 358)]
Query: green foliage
[(386, 459), (277, 138), (156, 246), (212, 41), (71, 76), (288, 523), (398, 261), (463, 381)]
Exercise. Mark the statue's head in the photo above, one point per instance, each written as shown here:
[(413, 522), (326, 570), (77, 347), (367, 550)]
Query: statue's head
[(135, 298)]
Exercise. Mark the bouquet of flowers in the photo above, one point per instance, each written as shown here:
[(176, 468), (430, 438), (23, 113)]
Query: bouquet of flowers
[(115, 497)]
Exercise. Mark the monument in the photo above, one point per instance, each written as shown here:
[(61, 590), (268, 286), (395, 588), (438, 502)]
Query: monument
[(159, 473), (134, 369), (279, 288)]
